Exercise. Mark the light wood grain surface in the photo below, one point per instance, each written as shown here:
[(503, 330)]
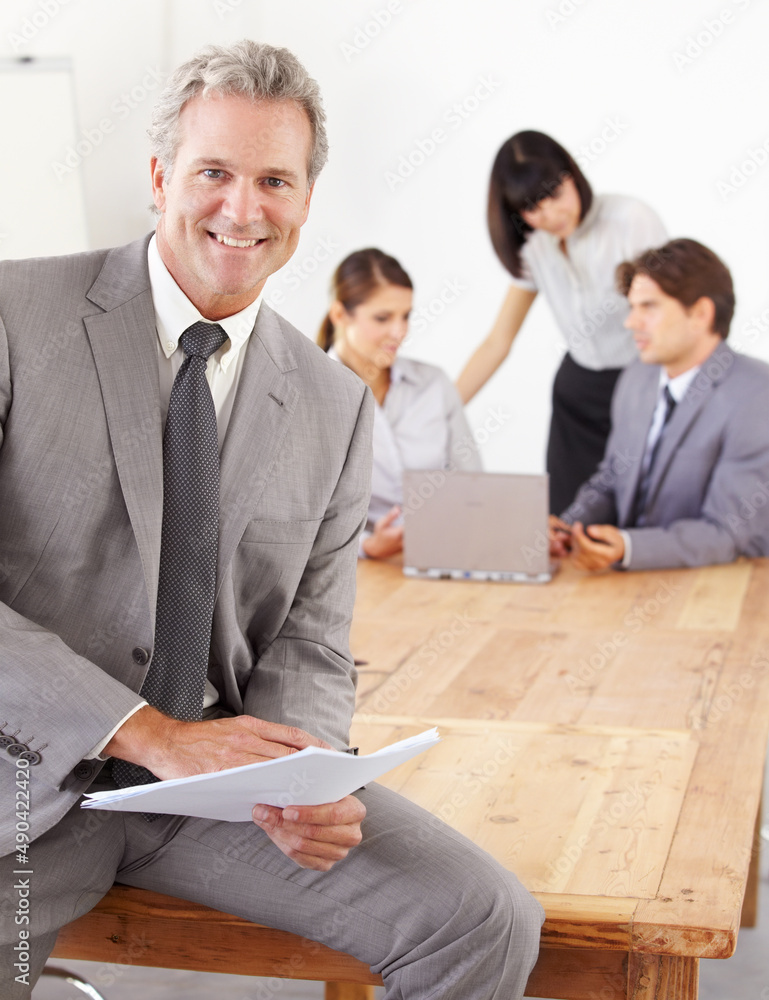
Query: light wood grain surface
[(604, 737)]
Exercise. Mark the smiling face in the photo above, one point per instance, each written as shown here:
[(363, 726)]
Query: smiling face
[(368, 338), (235, 200), (559, 214), (665, 331)]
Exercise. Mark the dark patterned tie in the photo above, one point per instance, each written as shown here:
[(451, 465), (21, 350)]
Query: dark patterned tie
[(175, 681), (642, 495)]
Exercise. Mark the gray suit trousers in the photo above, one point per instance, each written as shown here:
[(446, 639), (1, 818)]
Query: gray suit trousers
[(473, 936)]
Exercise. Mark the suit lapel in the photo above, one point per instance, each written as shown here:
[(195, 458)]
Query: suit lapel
[(262, 413), (713, 371), (124, 345)]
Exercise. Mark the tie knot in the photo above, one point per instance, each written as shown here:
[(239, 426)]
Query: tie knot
[(202, 339), (669, 402)]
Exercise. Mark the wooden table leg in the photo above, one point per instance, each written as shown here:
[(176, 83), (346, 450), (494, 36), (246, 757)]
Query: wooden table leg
[(661, 977), (749, 916), (348, 991)]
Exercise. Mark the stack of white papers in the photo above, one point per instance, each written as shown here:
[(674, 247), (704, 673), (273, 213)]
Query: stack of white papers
[(310, 777)]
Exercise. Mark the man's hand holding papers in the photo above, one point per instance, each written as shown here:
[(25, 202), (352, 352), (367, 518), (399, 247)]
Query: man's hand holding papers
[(302, 792), (314, 836), (173, 749)]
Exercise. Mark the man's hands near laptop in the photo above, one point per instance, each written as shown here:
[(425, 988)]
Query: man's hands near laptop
[(312, 836), (595, 547), (560, 537)]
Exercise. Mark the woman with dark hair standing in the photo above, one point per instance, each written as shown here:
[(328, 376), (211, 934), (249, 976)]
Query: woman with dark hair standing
[(418, 421), (555, 236)]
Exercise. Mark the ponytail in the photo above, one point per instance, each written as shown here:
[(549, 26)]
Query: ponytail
[(325, 338)]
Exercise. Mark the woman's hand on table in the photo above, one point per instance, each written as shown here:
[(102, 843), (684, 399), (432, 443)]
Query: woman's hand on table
[(387, 537)]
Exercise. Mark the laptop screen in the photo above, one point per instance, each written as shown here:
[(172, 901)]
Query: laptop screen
[(475, 524)]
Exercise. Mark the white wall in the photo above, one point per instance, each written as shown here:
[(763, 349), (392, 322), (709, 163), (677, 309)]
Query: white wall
[(37, 108), (565, 67)]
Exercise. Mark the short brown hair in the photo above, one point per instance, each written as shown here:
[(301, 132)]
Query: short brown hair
[(685, 270)]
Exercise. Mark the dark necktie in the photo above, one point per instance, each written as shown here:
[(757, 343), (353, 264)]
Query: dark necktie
[(642, 495), (175, 681)]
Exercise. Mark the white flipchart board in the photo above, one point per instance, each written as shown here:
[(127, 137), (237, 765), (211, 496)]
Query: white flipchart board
[(42, 212)]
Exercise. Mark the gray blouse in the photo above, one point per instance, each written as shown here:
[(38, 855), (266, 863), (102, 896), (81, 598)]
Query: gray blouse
[(420, 426)]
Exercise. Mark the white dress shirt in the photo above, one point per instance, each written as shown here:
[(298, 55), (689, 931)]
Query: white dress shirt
[(678, 387), (421, 425), (173, 314), (579, 284)]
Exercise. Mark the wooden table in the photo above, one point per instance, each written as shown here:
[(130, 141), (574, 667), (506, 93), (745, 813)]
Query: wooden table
[(604, 737)]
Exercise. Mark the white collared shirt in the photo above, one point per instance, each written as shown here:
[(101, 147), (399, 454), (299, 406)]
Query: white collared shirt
[(579, 284), (678, 387), (420, 425), (173, 314)]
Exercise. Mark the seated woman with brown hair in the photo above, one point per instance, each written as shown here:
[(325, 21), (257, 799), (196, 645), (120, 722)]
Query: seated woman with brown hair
[(418, 421)]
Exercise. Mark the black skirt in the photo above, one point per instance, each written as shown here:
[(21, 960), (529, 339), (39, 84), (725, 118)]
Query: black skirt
[(579, 427)]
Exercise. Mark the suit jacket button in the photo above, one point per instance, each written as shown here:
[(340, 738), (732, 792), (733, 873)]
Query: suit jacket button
[(32, 756), (6, 741), (83, 770), (15, 749), (141, 656)]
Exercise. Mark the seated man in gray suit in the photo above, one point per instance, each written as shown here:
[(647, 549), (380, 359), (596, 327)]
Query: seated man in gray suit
[(685, 477), (183, 481)]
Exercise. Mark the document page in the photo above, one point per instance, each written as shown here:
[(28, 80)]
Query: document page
[(310, 777)]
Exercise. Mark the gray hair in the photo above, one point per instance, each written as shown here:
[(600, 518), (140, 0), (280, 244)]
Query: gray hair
[(253, 69)]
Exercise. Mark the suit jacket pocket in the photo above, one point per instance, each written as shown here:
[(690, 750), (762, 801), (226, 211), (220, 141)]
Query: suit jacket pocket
[(281, 532)]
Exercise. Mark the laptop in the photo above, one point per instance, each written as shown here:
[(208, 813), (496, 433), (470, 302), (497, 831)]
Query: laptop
[(476, 526)]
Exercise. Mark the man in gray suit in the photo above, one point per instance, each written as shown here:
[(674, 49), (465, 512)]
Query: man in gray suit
[(685, 477), (89, 351)]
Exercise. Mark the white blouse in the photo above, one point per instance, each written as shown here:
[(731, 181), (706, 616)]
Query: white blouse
[(579, 285), (421, 425)]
